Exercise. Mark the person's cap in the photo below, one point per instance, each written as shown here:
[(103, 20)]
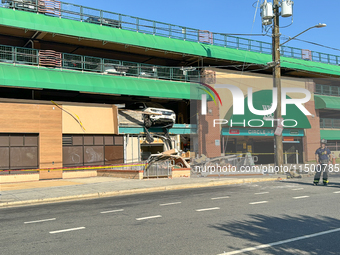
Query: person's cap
[(324, 141)]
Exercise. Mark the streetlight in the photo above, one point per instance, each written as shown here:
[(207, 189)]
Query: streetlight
[(278, 145), (271, 12), (320, 25)]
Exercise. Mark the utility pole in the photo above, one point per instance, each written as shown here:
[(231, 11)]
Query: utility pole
[(270, 14), (278, 146)]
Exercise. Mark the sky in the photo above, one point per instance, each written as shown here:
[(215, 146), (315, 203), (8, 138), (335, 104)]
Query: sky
[(236, 17)]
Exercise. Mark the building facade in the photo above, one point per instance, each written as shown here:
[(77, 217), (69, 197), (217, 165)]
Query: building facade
[(66, 71)]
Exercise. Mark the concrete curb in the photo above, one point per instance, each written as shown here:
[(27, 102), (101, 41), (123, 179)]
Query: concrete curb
[(135, 191)]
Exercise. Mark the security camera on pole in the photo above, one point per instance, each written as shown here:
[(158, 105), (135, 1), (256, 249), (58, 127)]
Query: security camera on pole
[(271, 13)]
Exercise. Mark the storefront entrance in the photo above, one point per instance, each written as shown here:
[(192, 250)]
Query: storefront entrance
[(263, 146)]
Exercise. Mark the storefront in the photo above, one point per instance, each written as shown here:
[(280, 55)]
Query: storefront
[(137, 148), (254, 133), (260, 143)]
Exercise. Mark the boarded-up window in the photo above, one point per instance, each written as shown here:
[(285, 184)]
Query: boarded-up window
[(77, 140), (98, 140), (73, 155), (88, 140), (94, 155), (4, 141), (4, 158), (119, 140), (25, 157), (31, 140), (19, 151), (16, 140), (114, 155), (88, 150), (108, 140)]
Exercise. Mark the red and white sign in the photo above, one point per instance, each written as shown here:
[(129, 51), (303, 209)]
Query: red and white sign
[(278, 131), (234, 131)]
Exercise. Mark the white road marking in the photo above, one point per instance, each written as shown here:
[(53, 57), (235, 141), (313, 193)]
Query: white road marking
[(214, 198), (149, 217), (174, 203), (118, 210), (298, 189), (65, 230), (260, 202), (36, 221), (336, 192), (260, 193), (300, 197), (281, 242), (207, 209)]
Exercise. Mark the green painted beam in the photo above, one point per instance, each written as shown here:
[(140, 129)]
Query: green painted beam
[(47, 78), (41, 22), (177, 129), (310, 66)]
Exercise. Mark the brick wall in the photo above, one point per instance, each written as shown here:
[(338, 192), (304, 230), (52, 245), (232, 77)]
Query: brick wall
[(207, 133), (312, 135), (128, 174)]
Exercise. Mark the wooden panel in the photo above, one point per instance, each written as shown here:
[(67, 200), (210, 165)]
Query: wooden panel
[(50, 137), (19, 118), (53, 174), (42, 119)]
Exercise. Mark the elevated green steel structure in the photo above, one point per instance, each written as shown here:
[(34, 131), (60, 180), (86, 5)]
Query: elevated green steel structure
[(73, 28), (46, 78)]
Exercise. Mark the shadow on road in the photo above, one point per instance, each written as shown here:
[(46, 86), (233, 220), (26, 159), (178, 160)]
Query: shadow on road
[(263, 229), (330, 184)]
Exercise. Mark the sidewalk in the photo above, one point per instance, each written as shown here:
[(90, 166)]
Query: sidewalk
[(37, 192)]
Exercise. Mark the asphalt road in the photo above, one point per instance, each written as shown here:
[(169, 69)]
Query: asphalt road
[(290, 217)]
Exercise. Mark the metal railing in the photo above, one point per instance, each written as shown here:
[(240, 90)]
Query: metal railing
[(159, 169), (25, 56), (329, 123), (121, 21), (327, 90), (334, 146)]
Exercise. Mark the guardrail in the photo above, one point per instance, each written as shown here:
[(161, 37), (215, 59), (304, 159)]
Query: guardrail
[(329, 123), (25, 56), (117, 20), (327, 90)]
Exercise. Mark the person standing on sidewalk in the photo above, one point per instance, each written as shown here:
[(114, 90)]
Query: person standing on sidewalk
[(323, 158)]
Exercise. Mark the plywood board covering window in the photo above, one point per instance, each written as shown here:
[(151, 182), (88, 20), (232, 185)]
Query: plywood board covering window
[(92, 150), (18, 151)]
